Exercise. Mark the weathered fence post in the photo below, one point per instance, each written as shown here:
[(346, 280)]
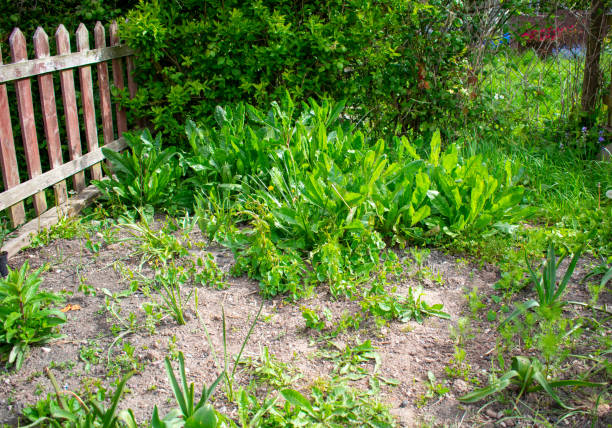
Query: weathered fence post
[(106, 111), (62, 40), (118, 78), (26, 117), (89, 110), (49, 113), (8, 158)]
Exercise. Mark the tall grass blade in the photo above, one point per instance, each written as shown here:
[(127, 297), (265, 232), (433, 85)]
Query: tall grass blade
[(176, 389), (568, 274)]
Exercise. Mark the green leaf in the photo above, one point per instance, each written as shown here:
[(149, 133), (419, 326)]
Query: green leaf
[(176, 389), (568, 275), (435, 144), (298, 400), (421, 214), (450, 158), (495, 387), (204, 417), (520, 309), (607, 277), (109, 416), (539, 377), (410, 149)]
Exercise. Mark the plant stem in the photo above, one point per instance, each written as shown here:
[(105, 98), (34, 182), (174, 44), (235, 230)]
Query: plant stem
[(589, 306)]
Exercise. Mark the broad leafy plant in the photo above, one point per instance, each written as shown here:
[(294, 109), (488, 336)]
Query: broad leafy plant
[(278, 271), (333, 405), (404, 309), (145, 175), (26, 314), (308, 185), (467, 198)]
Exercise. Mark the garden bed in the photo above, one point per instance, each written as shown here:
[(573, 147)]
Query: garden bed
[(95, 274)]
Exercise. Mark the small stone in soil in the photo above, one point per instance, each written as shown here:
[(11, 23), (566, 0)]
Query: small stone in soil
[(461, 387), (491, 413)]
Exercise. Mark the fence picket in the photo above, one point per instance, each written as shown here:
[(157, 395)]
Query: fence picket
[(89, 110), (8, 158), (62, 39), (49, 113), (118, 78), (130, 75), (106, 111), (26, 117)]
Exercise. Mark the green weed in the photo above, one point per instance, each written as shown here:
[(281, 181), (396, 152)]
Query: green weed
[(26, 314)]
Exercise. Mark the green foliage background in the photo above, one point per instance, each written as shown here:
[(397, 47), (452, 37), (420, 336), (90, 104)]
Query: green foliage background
[(394, 61), (28, 14)]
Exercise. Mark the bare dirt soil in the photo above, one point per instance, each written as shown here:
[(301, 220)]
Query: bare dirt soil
[(408, 351)]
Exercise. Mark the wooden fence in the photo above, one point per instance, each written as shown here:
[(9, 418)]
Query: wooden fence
[(20, 72)]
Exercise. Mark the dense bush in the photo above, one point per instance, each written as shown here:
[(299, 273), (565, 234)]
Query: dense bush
[(399, 64), (28, 15)]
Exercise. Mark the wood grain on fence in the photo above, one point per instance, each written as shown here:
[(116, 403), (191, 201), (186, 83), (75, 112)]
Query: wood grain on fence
[(73, 135), (118, 79), (25, 107), (106, 111), (49, 113), (89, 110), (8, 158)]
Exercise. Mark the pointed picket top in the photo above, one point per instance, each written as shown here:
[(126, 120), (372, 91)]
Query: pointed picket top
[(41, 43), (82, 38), (18, 45), (99, 35), (114, 33), (62, 38)]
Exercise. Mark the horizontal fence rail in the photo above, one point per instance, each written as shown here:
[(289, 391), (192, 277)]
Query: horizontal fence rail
[(34, 67), (28, 89)]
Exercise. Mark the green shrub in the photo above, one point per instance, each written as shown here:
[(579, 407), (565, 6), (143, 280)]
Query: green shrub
[(394, 61), (28, 15)]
